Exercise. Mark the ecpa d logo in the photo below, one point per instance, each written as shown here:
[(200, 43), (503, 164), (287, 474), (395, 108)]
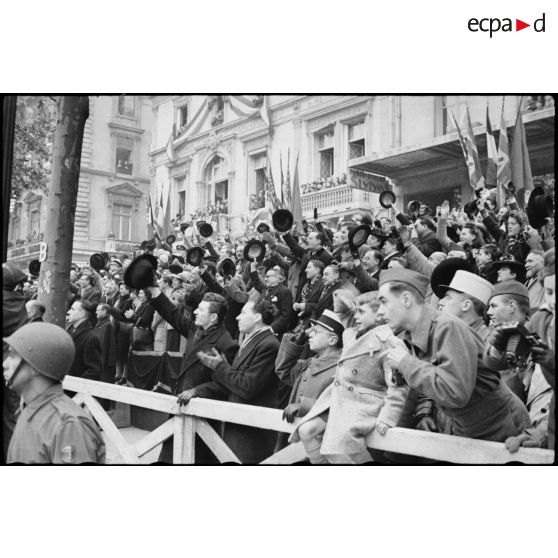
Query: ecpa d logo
[(494, 24)]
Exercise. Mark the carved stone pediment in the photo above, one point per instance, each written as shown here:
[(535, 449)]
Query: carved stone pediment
[(124, 189), (32, 197)]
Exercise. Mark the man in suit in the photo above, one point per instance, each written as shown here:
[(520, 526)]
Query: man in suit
[(311, 291), (277, 294), (426, 240), (207, 332), (35, 311), (315, 251), (332, 282), (89, 291), (367, 271), (250, 380), (88, 359)]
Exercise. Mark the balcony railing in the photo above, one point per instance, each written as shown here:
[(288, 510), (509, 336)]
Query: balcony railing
[(341, 198), (24, 249)]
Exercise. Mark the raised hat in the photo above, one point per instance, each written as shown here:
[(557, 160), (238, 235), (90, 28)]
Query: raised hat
[(205, 229), (34, 267), (511, 287), (97, 262), (413, 279), (471, 284), (330, 321), (282, 220), (254, 250), (358, 236), (195, 256), (539, 207), (387, 199), (175, 266), (263, 227), (141, 271), (150, 245), (443, 273), (226, 267), (116, 261), (171, 239)]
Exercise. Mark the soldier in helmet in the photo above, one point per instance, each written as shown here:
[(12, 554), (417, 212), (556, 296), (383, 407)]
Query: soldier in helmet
[(51, 428)]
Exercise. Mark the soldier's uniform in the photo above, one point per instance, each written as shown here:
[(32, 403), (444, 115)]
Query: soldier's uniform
[(53, 429)]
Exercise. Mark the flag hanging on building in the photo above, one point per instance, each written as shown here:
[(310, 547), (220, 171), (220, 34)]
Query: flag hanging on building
[(170, 149), (191, 127), (244, 105), (288, 180), (296, 204), (473, 160), (503, 175), (492, 154), (282, 179), (521, 175), (271, 199)]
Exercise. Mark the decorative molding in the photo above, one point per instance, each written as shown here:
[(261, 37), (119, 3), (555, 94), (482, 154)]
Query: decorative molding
[(118, 126), (124, 189), (113, 176)]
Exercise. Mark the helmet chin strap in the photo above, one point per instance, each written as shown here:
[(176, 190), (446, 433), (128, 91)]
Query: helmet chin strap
[(10, 382)]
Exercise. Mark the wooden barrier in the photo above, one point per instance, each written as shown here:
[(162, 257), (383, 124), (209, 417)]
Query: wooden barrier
[(191, 419)]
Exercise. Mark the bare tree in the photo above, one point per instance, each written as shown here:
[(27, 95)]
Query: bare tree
[(54, 279)]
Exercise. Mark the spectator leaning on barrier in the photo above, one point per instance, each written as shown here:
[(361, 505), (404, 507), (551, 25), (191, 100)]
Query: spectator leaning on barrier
[(51, 427), (440, 357)]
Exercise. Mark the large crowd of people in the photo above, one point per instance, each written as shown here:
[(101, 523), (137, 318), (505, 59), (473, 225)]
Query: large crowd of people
[(442, 320)]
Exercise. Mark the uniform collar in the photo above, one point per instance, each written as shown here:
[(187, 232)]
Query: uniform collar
[(419, 335), (42, 399), (319, 364)]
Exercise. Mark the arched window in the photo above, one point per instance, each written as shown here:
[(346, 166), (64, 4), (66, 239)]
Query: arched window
[(216, 196)]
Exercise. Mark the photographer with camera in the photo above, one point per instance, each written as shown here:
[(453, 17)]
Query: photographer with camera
[(513, 349), (542, 323)]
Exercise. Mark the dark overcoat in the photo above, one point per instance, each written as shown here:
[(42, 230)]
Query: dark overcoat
[(88, 358), (251, 380)]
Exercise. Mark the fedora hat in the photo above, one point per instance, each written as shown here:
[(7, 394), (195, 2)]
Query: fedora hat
[(507, 260), (263, 227), (443, 273), (35, 267), (175, 266), (184, 226), (471, 209), (471, 284), (141, 272), (358, 236), (97, 262), (254, 250), (404, 219), (226, 267), (282, 220), (171, 239), (195, 256), (539, 207), (387, 199), (205, 229), (413, 206)]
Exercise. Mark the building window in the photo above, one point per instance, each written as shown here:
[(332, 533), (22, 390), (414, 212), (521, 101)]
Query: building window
[(35, 223), (216, 187), (326, 154), (16, 222), (356, 140), (124, 150), (122, 221), (183, 115), (126, 106), (181, 204), (256, 190)]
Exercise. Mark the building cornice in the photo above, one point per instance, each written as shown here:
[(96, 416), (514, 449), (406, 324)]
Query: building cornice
[(113, 176), (125, 128)]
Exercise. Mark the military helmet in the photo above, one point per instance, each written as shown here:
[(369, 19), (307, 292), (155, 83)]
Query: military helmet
[(46, 347)]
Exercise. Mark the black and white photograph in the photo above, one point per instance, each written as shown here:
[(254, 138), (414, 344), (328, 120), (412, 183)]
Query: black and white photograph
[(278, 279)]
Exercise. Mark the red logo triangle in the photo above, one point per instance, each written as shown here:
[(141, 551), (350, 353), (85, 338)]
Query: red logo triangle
[(519, 25)]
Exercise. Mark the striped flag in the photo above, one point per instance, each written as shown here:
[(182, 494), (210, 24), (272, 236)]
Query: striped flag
[(270, 196), (473, 160), (170, 149), (492, 154), (503, 175), (243, 105), (288, 180), (193, 126), (520, 164), (296, 204), (282, 179)]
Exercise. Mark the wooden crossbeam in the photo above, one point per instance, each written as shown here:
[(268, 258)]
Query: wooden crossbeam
[(184, 439), (109, 428), (453, 449), (291, 454), (154, 438), (215, 443)]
